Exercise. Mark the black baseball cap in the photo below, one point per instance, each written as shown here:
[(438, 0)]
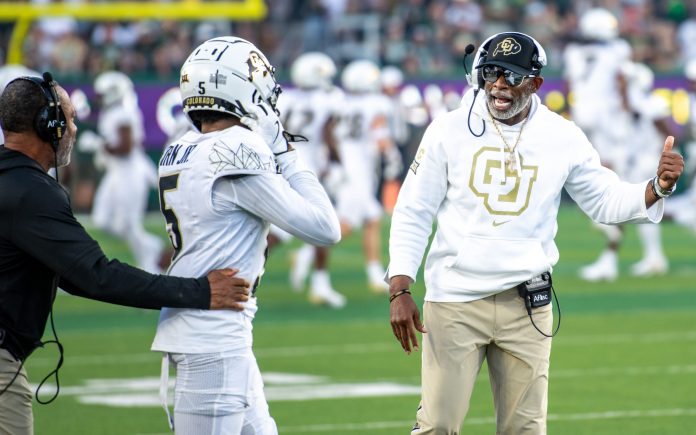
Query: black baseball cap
[(513, 51)]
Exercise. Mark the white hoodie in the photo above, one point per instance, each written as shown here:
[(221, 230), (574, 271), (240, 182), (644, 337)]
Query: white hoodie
[(496, 228)]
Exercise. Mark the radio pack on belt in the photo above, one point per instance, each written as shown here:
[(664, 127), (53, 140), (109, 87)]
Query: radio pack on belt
[(537, 291)]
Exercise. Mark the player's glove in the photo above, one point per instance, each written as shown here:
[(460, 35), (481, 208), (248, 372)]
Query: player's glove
[(264, 121)]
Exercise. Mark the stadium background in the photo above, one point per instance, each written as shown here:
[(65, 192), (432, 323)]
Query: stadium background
[(624, 360)]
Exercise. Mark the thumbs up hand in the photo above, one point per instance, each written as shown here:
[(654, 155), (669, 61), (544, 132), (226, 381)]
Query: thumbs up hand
[(671, 166)]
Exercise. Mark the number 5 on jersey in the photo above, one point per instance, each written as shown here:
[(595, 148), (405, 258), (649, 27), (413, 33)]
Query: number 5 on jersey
[(167, 184)]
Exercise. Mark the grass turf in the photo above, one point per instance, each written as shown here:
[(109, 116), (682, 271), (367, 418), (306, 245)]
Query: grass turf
[(624, 361)]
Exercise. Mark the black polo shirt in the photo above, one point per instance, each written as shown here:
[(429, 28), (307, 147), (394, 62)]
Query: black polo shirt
[(40, 239)]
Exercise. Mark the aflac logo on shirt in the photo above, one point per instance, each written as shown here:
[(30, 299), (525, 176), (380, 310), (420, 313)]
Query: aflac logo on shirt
[(507, 47)]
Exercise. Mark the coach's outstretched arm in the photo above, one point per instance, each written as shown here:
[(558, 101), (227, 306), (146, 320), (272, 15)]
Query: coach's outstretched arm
[(53, 237)]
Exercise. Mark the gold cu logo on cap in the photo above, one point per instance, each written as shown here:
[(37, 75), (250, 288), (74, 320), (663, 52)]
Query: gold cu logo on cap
[(507, 47)]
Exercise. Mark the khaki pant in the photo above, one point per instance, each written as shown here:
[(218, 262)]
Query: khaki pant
[(15, 404), (460, 336)]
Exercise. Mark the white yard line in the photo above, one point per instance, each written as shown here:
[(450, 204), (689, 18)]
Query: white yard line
[(606, 415), (407, 424)]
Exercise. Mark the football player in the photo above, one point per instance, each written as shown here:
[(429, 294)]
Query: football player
[(306, 110), (650, 121), (220, 187), (362, 131), (120, 201), (592, 68)]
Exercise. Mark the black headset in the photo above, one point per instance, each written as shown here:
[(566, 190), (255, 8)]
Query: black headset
[(49, 121)]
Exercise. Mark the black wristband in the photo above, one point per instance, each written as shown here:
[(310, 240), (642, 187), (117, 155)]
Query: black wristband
[(399, 293)]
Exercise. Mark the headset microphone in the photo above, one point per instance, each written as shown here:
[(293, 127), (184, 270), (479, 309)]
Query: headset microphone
[(467, 51)]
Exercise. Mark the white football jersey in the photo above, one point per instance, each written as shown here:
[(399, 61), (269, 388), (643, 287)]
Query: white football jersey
[(114, 117), (110, 120), (357, 136), (305, 112), (647, 142), (218, 193), (201, 239), (592, 70)]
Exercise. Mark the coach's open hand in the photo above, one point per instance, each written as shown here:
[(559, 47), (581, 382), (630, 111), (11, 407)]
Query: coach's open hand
[(227, 291), (405, 317)]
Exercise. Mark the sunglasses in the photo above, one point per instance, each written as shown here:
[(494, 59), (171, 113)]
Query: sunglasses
[(491, 73)]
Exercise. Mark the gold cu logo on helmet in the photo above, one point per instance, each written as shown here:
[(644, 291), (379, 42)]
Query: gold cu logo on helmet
[(257, 66), (504, 192), (507, 47)]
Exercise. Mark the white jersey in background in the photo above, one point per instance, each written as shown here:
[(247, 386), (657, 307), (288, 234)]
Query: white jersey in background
[(120, 201), (305, 112), (218, 192), (361, 123), (646, 143), (592, 70)]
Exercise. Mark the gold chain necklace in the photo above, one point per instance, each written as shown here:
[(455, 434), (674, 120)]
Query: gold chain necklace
[(510, 159)]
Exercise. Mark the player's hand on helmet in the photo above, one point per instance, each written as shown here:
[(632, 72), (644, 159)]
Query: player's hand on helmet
[(227, 291), (263, 120), (404, 314)]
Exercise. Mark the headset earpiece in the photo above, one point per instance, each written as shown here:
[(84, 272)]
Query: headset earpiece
[(49, 121)]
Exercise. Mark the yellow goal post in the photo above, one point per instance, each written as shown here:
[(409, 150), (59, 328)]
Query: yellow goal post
[(23, 14)]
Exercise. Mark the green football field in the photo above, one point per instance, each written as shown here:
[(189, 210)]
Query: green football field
[(624, 361)]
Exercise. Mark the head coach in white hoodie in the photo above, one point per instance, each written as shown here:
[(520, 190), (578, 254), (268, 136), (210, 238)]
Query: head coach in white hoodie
[(490, 174)]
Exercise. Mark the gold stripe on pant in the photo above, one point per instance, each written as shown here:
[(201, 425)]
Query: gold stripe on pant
[(460, 336)]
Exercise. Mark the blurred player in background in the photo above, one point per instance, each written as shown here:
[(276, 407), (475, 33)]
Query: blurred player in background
[(392, 80), (592, 68), (683, 210), (220, 188), (650, 115), (362, 132), (120, 201), (170, 118), (307, 111)]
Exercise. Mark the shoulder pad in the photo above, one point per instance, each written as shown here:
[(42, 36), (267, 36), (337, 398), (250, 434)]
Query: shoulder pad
[(240, 154)]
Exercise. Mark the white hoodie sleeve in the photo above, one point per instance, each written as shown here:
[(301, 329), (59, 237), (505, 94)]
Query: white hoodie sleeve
[(603, 196), (419, 200)]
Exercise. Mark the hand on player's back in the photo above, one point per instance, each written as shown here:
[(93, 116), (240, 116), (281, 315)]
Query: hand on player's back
[(226, 290)]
